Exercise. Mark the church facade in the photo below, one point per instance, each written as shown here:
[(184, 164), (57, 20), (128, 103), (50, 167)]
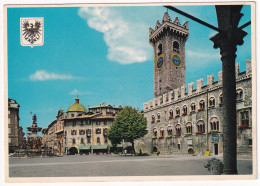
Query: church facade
[(189, 121)]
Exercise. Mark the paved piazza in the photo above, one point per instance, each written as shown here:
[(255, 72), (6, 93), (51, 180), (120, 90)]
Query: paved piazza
[(114, 165)]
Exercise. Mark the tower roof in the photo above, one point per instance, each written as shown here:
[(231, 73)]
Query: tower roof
[(168, 26), (166, 17), (77, 107)]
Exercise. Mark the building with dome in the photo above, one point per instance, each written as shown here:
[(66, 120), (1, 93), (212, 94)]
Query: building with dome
[(86, 131), (79, 130)]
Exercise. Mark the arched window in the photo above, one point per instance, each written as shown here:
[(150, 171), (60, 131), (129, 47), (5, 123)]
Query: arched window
[(98, 131), (154, 133), (73, 141), (178, 130), (98, 139), (169, 131), (161, 132), (159, 49), (201, 105), (81, 140), (200, 127), (158, 117), (244, 119), (105, 131), (176, 47), (212, 102), (193, 107), (171, 114), (221, 100), (177, 112), (153, 118), (81, 132), (73, 132), (188, 128), (239, 94), (88, 132), (214, 124), (184, 110)]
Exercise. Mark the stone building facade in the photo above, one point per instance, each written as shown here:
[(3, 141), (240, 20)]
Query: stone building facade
[(86, 131), (180, 121), (13, 125)]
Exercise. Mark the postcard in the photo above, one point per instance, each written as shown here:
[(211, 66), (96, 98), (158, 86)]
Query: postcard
[(130, 92)]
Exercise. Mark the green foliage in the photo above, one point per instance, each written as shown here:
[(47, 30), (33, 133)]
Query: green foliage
[(129, 124)]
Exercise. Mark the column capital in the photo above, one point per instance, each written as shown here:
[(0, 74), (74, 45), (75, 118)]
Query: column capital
[(233, 36), (228, 40)]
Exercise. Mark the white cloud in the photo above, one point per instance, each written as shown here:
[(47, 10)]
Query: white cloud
[(41, 75), (125, 39), (77, 92)]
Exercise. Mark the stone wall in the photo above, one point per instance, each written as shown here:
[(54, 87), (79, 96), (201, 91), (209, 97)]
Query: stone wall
[(199, 142)]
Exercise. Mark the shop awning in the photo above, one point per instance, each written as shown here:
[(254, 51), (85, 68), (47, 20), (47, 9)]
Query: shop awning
[(95, 147), (84, 147), (118, 145)]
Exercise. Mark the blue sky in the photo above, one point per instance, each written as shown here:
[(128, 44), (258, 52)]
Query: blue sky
[(103, 54)]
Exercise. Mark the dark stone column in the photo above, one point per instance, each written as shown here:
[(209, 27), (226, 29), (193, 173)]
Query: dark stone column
[(227, 41)]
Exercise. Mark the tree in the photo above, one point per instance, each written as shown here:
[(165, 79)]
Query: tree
[(129, 125)]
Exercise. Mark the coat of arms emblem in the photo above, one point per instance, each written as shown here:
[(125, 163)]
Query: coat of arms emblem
[(31, 30)]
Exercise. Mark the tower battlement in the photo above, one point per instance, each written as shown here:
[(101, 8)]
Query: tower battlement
[(168, 26), (180, 94)]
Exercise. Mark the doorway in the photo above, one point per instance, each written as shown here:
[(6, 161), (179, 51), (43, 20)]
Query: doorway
[(216, 148)]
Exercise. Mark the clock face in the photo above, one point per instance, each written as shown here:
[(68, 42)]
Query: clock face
[(160, 62), (176, 60)]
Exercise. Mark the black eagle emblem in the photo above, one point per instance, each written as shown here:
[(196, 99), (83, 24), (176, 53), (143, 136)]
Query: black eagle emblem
[(32, 32)]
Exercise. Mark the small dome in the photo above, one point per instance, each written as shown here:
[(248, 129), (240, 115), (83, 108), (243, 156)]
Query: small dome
[(77, 107)]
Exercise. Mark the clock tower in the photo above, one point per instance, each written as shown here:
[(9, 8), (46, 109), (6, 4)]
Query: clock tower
[(168, 40)]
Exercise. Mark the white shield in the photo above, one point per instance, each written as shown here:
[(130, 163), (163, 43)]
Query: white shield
[(32, 31)]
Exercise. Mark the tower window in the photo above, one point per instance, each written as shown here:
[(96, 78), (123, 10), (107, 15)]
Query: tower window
[(212, 102), (154, 133), (161, 133), (178, 130), (214, 125), (193, 107), (200, 127), (158, 117), (170, 114), (153, 118), (184, 110), (239, 94), (188, 128), (159, 49), (176, 47), (244, 118), (220, 99), (177, 112), (201, 105), (169, 130)]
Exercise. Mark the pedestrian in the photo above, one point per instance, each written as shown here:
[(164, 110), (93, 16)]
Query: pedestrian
[(158, 153), (125, 151)]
